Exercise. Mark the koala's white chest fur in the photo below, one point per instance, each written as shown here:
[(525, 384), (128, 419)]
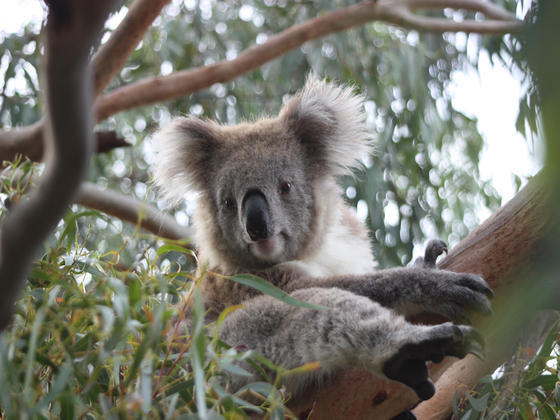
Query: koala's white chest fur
[(341, 251)]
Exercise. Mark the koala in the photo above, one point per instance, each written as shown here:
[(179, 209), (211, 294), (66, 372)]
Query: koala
[(268, 204)]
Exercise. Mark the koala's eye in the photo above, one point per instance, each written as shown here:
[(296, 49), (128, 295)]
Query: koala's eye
[(229, 203), (286, 187)]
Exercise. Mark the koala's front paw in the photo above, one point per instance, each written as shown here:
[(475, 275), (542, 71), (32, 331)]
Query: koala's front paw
[(459, 293), (409, 364), (434, 249)]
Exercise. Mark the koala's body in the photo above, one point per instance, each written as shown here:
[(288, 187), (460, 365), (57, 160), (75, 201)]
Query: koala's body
[(268, 204)]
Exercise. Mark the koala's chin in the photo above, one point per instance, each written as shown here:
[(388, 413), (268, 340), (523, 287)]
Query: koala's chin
[(268, 249)]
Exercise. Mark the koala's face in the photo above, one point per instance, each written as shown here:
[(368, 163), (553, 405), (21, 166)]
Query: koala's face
[(264, 201), (264, 186)]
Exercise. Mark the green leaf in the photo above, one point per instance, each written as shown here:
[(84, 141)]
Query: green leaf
[(179, 387), (67, 403), (537, 365), (268, 289), (478, 404), (546, 381), (57, 386), (197, 353), (39, 318), (133, 291), (455, 406), (230, 367), (170, 247)]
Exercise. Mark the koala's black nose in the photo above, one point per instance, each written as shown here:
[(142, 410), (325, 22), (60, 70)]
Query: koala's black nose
[(255, 209)]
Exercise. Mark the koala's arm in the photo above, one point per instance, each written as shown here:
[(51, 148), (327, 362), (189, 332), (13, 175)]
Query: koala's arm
[(413, 290), (354, 333), (408, 291)]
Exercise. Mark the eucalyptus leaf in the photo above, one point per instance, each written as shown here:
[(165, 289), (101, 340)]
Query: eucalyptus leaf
[(265, 287)]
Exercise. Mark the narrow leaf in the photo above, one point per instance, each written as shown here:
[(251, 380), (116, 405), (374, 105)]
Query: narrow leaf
[(268, 289)]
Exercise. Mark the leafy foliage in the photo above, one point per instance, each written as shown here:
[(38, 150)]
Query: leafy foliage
[(533, 393), (92, 338)]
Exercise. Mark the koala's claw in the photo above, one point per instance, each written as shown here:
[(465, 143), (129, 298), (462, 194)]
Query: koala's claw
[(434, 249), (475, 283), (458, 294), (409, 364)]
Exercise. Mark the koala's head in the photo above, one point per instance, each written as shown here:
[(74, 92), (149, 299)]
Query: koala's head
[(264, 188)]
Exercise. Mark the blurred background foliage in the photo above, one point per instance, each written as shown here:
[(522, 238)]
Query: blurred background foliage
[(423, 181)]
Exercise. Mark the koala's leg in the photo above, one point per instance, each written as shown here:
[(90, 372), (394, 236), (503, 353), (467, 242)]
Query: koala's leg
[(356, 333)]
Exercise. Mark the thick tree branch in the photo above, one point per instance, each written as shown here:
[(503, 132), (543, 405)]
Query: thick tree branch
[(181, 83), (541, 267), (506, 250), (71, 30), (113, 55), (131, 210)]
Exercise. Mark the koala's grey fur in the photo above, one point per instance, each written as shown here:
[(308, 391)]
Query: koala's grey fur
[(268, 204)]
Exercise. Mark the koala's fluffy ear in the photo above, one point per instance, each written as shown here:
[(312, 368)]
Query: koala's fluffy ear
[(183, 152), (330, 122)]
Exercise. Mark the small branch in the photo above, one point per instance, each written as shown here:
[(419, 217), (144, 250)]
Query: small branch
[(113, 55), (109, 140), (489, 10), (185, 82), (131, 210), (71, 30), (28, 141)]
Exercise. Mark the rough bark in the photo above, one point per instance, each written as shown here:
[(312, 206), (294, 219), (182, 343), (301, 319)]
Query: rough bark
[(504, 249)]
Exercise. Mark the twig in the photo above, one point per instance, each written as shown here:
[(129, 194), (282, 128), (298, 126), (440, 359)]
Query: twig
[(113, 55), (132, 210)]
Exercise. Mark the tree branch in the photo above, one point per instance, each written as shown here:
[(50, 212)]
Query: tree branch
[(113, 55), (131, 210), (185, 82), (28, 141), (71, 30), (506, 251), (108, 60)]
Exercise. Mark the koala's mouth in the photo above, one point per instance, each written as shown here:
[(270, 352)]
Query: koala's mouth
[(269, 248)]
